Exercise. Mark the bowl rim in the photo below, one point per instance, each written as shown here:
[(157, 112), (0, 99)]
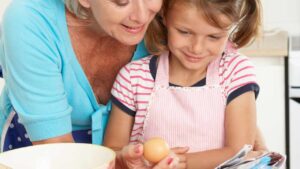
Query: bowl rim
[(54, 144)]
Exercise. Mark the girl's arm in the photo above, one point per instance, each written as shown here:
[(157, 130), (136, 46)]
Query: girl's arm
[(240, 129), (117, 133), (118, 129)]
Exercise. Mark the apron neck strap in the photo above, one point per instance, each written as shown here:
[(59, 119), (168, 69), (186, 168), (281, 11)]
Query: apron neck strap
[(162, 75), (212, 75)]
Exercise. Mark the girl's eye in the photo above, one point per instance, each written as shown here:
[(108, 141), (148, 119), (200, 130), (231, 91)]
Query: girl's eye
[(183, 32), (121, 2), (214, 37)]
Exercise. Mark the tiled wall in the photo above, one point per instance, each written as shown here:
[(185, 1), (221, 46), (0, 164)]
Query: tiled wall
[(284, 14)]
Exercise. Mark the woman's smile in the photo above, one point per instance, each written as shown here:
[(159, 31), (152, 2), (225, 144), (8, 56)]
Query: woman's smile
[(133, 29)]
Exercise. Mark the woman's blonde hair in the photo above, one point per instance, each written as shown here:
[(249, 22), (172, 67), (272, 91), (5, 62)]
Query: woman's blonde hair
[(244, 14), (77, 9)]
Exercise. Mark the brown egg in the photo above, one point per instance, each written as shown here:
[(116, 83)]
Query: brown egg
[(155, 149)]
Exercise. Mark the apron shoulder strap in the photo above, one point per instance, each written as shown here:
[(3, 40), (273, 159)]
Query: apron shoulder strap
[(162, 75), (212, 75)]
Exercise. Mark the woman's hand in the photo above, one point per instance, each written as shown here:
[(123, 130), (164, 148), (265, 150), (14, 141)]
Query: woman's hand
[(131, 157), (180, 153)]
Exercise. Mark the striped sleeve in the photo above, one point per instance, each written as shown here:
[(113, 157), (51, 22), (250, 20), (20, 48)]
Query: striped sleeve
[(238, 76), (122, 91)]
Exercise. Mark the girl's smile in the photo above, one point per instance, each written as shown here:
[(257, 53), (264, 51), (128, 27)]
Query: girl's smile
[(193, 58)]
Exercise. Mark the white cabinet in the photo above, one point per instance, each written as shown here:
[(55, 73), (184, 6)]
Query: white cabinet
[(271, 101), (294, 134)]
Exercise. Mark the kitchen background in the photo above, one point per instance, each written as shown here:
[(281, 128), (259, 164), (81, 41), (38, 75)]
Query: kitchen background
[(271, 55), (283, 14), (278, 68)]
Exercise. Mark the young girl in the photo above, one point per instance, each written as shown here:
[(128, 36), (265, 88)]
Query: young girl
[(196, 93)]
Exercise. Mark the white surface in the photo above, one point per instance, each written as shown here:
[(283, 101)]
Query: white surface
[(294, 68), (284, 14), (59, 156), (295, 92), (294, 134), (270, 102), (294, 79)]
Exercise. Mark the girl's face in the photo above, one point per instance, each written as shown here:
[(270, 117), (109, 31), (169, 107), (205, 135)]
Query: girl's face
[(193, 42), (124, 20)]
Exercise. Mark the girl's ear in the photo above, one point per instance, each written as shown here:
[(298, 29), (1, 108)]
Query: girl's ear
[(85, 3)]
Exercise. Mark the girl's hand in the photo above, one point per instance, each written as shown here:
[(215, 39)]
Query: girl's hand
[(180, 153), (259, 144), (259, 147), (255, 154), (131, 157), (175, 160)]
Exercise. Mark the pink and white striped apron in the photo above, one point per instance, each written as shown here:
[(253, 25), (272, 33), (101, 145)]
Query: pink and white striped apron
[(186, 116)]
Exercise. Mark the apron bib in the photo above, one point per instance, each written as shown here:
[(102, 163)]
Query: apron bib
[(186, 116)]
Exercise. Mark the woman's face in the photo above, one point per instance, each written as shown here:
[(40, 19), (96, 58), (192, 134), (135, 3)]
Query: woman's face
[(124, 20)]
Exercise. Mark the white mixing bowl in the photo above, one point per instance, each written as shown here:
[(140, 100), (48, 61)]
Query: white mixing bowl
[(59, 156)]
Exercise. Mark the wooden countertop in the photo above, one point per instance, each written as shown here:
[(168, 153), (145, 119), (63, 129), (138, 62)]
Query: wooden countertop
[(272, 44)]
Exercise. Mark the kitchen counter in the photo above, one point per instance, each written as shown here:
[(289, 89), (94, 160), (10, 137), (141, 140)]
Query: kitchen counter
[(273, 43)]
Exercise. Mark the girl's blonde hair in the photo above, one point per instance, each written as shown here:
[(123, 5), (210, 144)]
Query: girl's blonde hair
[(244, 14), (77, 9)]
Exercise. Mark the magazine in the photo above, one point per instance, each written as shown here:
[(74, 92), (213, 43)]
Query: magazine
[(268, 160)]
